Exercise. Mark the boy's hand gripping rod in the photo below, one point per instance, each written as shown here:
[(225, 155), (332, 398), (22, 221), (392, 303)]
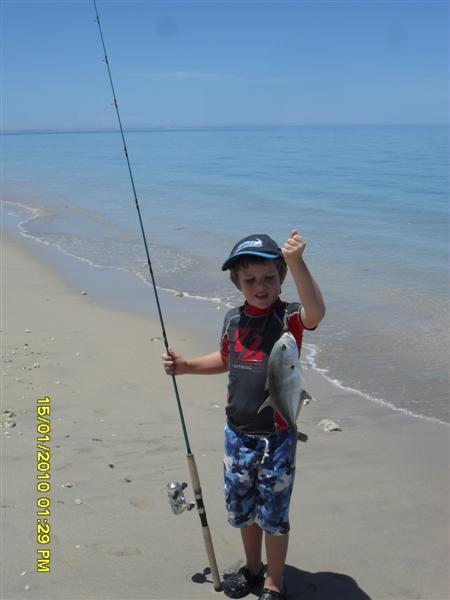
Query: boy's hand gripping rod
[(176, 491)]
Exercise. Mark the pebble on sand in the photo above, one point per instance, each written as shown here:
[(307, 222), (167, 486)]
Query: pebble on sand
[(7, 419), (27, 330), (78, 501), (179, 294), (84, 293)]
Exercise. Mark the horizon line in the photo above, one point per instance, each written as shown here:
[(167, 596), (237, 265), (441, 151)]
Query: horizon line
[(169, 128)]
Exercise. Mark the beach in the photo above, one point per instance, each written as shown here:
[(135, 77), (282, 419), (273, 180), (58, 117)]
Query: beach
[(369, 512), (371, 203)]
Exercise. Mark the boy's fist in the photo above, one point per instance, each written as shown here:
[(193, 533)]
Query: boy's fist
[(173, 363), (293, 248)]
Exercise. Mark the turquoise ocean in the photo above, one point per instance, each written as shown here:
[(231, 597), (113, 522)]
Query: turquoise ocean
[(371, 202)]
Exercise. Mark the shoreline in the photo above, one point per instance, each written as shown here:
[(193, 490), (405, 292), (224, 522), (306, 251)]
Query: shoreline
[(189, 308), (369, 513)]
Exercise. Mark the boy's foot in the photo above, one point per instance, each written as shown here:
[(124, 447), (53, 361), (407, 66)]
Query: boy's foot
[(241, 583), (271, 595)]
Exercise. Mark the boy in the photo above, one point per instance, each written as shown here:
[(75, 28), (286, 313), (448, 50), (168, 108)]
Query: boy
[(259, 465)]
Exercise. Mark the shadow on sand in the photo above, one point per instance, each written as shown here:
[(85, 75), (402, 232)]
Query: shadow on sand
[(302, 585)]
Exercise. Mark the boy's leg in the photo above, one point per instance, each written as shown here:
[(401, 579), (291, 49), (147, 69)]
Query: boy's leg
[(276, 550), (252, 541), (275, 482)]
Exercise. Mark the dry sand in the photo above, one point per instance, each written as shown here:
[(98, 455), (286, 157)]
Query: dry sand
[(369, 513)]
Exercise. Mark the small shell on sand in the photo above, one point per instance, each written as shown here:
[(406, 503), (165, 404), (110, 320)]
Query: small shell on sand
[(78, 501), (27, 330), (84, 293), (179, 294), (329, 425), (36, 365)]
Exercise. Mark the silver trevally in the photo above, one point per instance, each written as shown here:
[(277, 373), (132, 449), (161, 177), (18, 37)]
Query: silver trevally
[(285, 380)]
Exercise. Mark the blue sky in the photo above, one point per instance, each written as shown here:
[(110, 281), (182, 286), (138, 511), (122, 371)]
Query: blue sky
[(211, 63)]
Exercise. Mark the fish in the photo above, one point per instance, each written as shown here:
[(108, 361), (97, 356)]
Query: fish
[(285, 380)]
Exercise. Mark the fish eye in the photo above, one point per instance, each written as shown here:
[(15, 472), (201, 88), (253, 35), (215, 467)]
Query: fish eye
[(292, 366), (284, 347)]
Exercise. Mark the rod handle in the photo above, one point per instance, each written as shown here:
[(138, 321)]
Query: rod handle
[(205, 528)]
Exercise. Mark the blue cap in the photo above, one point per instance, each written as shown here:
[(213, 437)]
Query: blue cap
[(258, 244)]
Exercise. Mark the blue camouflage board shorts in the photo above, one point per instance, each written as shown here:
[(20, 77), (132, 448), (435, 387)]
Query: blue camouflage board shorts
[(259, 474)]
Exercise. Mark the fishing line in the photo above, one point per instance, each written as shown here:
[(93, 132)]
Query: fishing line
[(190, 457)]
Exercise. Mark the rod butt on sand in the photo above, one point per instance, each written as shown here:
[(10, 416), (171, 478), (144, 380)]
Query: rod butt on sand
[(205, 528)]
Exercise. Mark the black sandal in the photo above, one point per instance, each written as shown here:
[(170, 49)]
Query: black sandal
[(272, 595), (240, 583)]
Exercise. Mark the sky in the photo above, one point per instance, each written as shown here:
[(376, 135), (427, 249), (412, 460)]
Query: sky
[(224, 63)]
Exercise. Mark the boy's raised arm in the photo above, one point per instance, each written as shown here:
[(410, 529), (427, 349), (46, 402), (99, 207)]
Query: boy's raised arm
[(313, 306), (208, 364)]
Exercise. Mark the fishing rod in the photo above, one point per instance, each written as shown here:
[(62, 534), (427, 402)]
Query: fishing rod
[(175, 490)]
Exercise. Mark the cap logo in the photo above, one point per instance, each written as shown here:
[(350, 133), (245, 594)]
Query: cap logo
[(256, 243)]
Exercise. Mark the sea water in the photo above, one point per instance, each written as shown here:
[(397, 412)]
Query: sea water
[(371, 202)]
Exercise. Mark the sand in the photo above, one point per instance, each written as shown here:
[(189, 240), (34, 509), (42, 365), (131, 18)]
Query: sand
[(369, 513)]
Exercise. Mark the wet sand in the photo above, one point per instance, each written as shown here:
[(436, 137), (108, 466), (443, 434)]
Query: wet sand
[(369, 513)]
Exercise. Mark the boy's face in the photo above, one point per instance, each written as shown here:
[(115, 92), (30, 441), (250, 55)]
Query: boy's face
[(260, 284)]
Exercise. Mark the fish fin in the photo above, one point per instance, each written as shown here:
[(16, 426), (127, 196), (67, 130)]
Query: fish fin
[(302, 437), (267, 402), (306, 397)]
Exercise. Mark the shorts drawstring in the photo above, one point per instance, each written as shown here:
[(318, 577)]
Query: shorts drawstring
[(266, 449)]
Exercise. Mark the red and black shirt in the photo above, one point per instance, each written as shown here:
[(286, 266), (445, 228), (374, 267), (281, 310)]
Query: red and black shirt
[(248, 336)]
